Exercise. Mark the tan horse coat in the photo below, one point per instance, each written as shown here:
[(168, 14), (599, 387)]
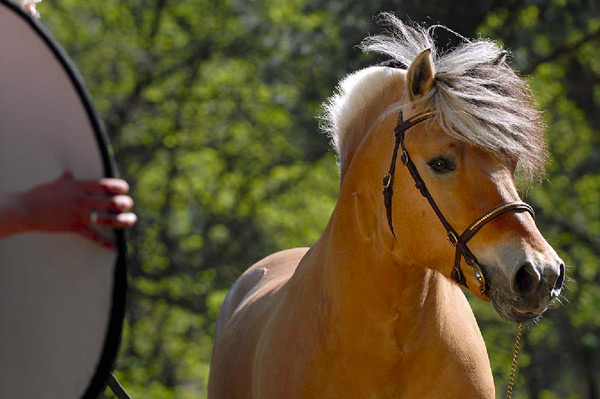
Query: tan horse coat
[(355, 316)]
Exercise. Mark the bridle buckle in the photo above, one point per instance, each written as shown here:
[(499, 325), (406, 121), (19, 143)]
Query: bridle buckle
[(404, 157), (387, 179), (452, 238)]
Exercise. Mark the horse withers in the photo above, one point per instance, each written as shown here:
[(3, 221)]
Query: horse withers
[(372, 309)]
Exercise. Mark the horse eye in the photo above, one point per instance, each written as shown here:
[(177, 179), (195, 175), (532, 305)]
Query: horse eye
[(441, 165)]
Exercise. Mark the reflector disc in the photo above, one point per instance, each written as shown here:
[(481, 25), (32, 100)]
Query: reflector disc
[(61, 296)]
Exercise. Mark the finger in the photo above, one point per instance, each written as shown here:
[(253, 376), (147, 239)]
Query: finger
[(116, 221), (118, 203), (95, 237), (104, 186)]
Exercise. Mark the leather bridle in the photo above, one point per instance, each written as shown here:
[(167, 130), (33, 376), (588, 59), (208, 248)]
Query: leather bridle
[(456, 240)]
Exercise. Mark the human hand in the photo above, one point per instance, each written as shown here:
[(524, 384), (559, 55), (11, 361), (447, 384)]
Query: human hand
[(76, 205)]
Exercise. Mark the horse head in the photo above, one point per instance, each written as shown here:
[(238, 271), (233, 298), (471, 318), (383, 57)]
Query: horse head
[(468, 126)]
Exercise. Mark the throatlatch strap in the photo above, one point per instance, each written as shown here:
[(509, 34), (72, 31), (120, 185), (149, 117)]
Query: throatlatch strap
[(388, 184)]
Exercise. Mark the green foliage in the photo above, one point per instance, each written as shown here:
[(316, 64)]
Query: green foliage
[(563, 349), (211, 108)]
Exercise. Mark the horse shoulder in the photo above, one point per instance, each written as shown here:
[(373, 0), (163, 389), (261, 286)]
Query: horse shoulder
[(241, 321)]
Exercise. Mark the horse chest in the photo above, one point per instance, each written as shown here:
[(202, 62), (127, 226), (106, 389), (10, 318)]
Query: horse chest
[(296, 365)]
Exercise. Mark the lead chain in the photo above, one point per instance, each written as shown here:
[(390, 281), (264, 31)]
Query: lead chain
[(513, 367)]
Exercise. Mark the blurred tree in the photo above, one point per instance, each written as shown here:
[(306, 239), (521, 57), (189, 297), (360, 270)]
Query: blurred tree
[(211, 108)]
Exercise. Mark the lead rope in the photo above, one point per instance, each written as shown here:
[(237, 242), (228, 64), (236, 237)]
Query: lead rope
[(513, 367)]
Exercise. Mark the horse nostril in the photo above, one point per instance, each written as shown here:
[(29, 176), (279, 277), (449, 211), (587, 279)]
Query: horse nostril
[(559, 281), (526, 280)]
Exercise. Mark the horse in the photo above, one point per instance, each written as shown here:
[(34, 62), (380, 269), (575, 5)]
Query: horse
[(375, 308)]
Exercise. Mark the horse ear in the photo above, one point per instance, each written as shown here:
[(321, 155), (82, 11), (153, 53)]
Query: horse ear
[(500, 59), (420, 75)]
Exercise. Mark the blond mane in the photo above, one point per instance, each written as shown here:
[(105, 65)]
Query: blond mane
[(343, 118), (479, 99)]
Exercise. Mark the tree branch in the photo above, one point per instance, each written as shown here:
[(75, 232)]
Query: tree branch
[(560, 51)]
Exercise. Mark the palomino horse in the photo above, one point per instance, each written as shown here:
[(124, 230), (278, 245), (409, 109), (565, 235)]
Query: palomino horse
[(373, 308)]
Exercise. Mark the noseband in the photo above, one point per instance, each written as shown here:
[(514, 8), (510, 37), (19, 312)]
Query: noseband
[(456, 240)]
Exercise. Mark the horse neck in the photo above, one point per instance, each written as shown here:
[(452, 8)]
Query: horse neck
[(352, 281)]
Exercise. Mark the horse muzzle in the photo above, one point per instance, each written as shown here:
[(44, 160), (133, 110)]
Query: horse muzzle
[(525, 293)]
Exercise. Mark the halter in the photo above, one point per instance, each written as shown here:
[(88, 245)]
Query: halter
[(456, 240)]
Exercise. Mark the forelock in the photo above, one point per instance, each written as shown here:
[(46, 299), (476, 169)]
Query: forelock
[(477, 100)]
